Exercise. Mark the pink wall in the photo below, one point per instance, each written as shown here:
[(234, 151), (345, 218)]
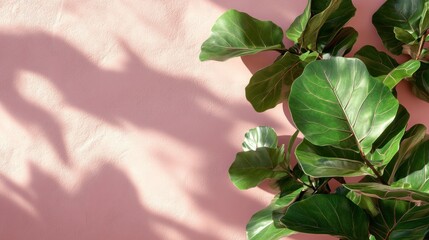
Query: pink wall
[(112, 129)]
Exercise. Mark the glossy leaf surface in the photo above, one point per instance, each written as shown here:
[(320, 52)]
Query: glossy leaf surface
[(401, 14), (260, 137), (270, 86), (377, 62), (387, 145), (342, 43), (405, 70), (399, 220), (414, 172), (412, 138), (238, 34), (296, 29), (337, 102), (385, 192), (252, 167), (328, 214), (327, 161)]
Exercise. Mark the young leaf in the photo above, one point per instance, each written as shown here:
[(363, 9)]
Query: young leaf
[(405, 36), (294, 33), (329, 162), (260, 137), (377, 62), (385, 192), (400, 14), (387, 145), (405, 70), (271, 85), (342, 43), (336, 102), (399, 220), (237, 34), (424, 21), (328, 214), (252, 167), (413, 174)]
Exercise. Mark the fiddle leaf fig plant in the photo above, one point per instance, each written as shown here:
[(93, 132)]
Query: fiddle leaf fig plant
[(350, 120)]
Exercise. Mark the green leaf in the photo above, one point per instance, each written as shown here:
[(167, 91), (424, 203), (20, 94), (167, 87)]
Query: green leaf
[(400, 14), (405, 70), (328, 17), (364, 202), (342, 43), (413, 174), (327, 161), (376, 190), (252, 167), (377, 62), (260, 137), (290, 146), (399, 220), (261, 226), (387, 145), (335, 22), (294, 33), (270, 86), (238, 34), (404, 36), (336, 102), (328, 214), (424, 21), (412, 138)]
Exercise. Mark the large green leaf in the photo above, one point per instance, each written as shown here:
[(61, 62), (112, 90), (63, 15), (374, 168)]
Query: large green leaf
[(336, 102), (270, 86), (414, 172), (377, 62), (260, 137), (237, 34), (400, 14), (424, 21), (328, 214), (412, 138), (405, 70), (328, 17), (400, 220), (298, 26), (342, 43), (385, 192), (252, 167), (327, 161), (387, 145)]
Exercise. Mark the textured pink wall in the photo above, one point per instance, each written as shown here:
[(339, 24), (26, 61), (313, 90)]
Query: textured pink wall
[(112, 129)]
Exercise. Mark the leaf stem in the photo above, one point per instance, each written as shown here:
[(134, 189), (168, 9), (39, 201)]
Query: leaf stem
[(376, 172), (299, 180), (421, 44)]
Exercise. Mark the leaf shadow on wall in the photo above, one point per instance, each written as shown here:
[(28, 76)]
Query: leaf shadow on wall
[(105, 206), (129, 95)]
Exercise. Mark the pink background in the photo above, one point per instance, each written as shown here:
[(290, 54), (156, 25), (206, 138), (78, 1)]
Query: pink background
[(111, 128)]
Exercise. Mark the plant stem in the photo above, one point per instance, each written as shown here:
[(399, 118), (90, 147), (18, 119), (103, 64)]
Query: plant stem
[(299, 180), (421, 44), (322, 185), (377, 173)]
